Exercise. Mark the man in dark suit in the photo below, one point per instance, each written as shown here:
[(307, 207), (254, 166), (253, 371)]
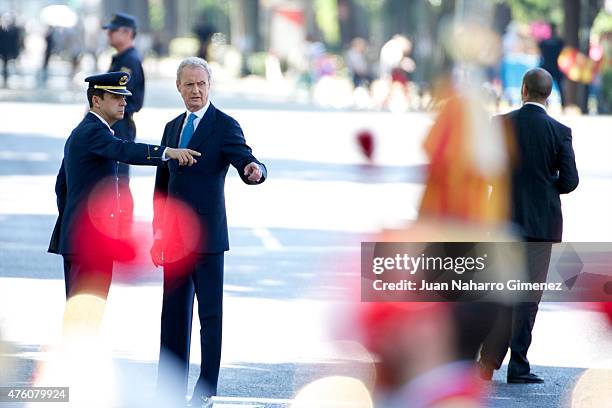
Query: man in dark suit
[(201, 188), (122, 31), (91, 153), (546, 168)]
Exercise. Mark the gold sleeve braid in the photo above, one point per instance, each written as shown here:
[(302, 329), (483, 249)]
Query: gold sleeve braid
[(157, 152)]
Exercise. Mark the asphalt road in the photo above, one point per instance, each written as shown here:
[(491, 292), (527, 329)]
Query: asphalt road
[(293, 240)]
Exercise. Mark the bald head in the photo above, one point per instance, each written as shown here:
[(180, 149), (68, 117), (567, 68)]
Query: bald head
[(537, 85)]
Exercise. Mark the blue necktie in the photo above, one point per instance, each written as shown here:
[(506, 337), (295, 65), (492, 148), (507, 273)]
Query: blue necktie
[(188, 131)]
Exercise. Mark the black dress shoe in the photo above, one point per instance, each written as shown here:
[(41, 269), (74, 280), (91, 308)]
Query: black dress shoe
[(201, 402), (530, 378), (485, 371)]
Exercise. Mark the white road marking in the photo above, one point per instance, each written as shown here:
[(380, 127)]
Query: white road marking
[(251, 400), (24, 156), (269, 241)]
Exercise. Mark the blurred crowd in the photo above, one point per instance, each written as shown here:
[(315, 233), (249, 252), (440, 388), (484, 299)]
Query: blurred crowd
[(362, 75)]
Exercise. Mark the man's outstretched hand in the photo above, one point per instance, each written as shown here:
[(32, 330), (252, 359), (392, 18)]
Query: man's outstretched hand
[(185, 157), (253, 171)]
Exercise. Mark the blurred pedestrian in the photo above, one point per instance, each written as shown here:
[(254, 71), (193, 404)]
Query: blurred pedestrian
[(358, 64), (546, 168), (204, 32), (51, 37), (122, 31), (94, 40), (551, 49), (520, 54), (81, 233), (10, 44), (73, 44), (396, 66), (201, 188)]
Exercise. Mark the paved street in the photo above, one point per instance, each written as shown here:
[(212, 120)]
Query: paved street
[(292, 239)]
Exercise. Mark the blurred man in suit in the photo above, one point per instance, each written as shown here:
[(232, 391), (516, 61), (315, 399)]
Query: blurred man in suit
[(546, 168), (201, 188), (90, 161)]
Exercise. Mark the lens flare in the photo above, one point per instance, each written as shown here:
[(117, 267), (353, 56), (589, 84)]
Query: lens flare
[(593, 389), (332, 392), (182, 232), (97, 230)]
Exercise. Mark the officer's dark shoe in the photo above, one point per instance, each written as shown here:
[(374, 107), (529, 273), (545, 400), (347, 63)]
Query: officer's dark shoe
[(529, 378)]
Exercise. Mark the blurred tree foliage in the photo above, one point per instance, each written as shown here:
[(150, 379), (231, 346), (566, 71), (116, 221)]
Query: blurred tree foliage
[(525, 11), (156, 14), (216, 14), (602, 23), (326, 12)]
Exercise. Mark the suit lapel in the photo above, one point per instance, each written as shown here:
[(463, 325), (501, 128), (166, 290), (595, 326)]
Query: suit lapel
[(175, 132), (204, 129)]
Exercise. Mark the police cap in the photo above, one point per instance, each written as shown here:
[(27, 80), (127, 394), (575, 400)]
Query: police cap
[(113, 82), (121, 20)]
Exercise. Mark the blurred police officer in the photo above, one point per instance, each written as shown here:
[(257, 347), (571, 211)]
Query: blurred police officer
[(90, 160), (122, 30)]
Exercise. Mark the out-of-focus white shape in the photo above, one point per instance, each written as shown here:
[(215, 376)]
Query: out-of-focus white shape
[(487, 140), (593, 389), (59, 16), (82, 362), (336, 391)]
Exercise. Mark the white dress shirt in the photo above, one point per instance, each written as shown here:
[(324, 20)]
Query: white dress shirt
[(199, 115), (536, 104)]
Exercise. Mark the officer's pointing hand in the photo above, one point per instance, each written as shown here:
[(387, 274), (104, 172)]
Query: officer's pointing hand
[(185, 157), (252, 171)]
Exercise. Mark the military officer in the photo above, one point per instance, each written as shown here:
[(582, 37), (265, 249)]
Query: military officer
[(90, 160), (122, 30)]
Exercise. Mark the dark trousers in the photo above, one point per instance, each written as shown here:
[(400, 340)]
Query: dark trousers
[(5, 66), (205, 280), (515, 323), (87, 274)]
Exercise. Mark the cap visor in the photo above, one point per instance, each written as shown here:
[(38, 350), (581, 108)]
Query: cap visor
[(123, 92), (110, 26)]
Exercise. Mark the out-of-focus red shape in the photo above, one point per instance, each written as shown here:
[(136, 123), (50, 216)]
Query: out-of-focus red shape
[(379, 320), (182, 233), (457, 188), (567, 59), (577, 66), (365, 139), (606, 308), (98, 232), (540, 30)]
